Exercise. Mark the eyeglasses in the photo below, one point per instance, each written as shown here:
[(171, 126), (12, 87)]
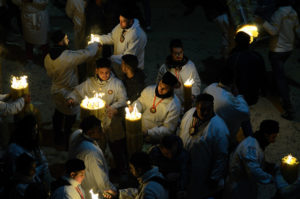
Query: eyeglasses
[(122, 37)]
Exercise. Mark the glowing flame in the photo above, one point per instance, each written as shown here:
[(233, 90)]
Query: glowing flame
[(93, 103), (128, 102), (94, 38), (134, 115), (251, 30), (289, 159), (94, 196), (19, 82), (189, 82)]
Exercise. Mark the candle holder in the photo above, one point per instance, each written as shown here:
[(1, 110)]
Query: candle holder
[(289, 168), (93, 106)]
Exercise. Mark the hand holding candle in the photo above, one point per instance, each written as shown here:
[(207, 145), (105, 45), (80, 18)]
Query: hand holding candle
[(94, 38), (187, 91)]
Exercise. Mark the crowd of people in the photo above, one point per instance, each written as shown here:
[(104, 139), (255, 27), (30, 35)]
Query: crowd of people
[(187, 153)]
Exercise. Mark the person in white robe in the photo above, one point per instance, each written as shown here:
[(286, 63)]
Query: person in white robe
[(247, 163), (83, 146), (206, 137)]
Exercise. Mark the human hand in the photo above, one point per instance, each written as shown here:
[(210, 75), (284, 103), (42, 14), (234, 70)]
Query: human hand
[(111, 112), (130, 107), (70, 102), (110, 194), (27, 98)]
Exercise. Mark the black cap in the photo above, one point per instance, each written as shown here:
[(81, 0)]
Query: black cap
[(269, 127), (74, 165), (57, 36), (169, 79), (127, 13), (204, 97), (131, 60)]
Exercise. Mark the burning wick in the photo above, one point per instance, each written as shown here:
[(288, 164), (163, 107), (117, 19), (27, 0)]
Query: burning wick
[(290, 159), (19, 82), (189, 82), (94, 38), (93, 103), (134, 115), (128, 102), (94, 196), (251, 30)]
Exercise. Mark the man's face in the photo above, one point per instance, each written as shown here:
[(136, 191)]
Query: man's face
[(78, 176), (95, 132), (163, 88), (271, 137), (204, 110), (125, 23), (177, 54), (169, 153), (66, 40), (123, 67), (103, 73), (133, 170)]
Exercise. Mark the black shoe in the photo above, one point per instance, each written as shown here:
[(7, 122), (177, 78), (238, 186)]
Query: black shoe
[(288, 115)]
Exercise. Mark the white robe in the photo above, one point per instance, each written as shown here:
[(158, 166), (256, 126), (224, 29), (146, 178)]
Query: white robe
[(68, 191), (114, 96), (96, 172), (10, 108), (208, 153), (134, 43), (246, 170), (64, 75), (188, 71), (164, 121), (233, 110)]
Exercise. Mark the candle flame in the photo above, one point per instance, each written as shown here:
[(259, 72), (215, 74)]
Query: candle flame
[(19, 82), (251, 30), (93, 103), (94, 196), (134, 115), (289, 159), (189, 82), (94, 38), (128, 102)]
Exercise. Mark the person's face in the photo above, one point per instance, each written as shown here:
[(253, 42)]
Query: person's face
[(103, 73), (95, 132), (123, 67), (169, 153), (177, 54), (133, 170), (66, 40), (163, 88), (271, 138), (204, 110), (125, 23), (32, 169), (78, 176)]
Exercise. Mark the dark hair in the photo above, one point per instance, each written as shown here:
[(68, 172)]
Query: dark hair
[(57, 36), (175, 43), (131, 61), (36, 191), (242, 39), (141, 161), (269, 127), (24, 163), (127, 12), (227, 76), (168, 141), (74, 165), (89, 123), (103, 63), (204, 97), (284, 2)]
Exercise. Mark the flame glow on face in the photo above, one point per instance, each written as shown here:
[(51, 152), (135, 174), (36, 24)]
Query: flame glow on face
[(134, 115), (189, 82), (19, 82), (93, 103), (251, 30), (94, 38), (94, 196), (289, 159)]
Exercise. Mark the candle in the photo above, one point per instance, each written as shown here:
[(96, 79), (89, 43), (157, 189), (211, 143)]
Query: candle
[(93, 106), (289, 168), (94, 38), (94, 196), (251, 30), (187, 91), (134, 135), (19, 86)]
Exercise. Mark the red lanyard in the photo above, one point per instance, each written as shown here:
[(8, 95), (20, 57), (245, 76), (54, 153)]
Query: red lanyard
[(177, 75), (79, 191), (153, 108)]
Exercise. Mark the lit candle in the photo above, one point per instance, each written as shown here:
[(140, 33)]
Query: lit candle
[(251, 30), (93, 106), (19, 86), (187, 91), (94, 196), (94, 38), (289, 168), (134, 135)]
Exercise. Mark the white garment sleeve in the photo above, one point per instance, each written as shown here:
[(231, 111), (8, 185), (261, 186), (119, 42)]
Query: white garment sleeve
[(121, 96), (70, 8), (11, 107), (253, 167), (169, 125), (197, 82), (79, 92), (273, 27), (161, 71), (80, 56), (3, 96), (242, 107), (107, 39)]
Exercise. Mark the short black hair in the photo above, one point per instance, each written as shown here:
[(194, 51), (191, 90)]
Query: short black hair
[(168, 141), (74, 165), (127, 11), (175, 43), (103, 63), (141, 161), (242, 39), (131, 60), (204, 97), (269, 127), (89, 122)]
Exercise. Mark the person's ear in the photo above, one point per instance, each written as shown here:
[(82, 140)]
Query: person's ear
[(72, 174)]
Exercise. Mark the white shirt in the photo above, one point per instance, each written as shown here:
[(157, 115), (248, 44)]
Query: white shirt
[(69, 191), (10, 108)]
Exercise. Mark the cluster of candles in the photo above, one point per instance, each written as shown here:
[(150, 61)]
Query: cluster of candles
[(134, 114), (93, 103), (94, 38), (19, 82)]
